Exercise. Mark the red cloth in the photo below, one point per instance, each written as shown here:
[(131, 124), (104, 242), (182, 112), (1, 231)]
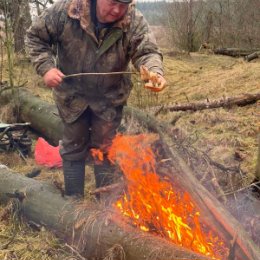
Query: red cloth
[(46, 154)]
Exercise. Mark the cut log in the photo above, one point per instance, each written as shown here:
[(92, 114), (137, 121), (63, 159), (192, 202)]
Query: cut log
[(234, 52), (252, 56), (44, 116), (214, 214), (246, 99), (90, 230)]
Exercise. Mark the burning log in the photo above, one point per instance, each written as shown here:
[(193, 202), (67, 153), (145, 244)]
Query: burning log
[(90, 230), (216, 217)]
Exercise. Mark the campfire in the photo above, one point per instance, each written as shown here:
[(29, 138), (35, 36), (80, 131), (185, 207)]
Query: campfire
[(154, 203)]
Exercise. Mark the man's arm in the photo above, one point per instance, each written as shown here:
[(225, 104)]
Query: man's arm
[(144, 49), (145, 53), (41, 36)]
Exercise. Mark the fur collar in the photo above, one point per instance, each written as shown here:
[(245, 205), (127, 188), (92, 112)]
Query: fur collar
[(81, 10)]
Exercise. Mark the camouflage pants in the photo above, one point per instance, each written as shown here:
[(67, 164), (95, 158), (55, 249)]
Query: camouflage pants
[(88, 131)]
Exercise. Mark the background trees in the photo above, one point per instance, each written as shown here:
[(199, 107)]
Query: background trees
[(222, 23)]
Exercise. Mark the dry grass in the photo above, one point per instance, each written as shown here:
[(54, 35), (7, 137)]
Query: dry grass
[(23, 242), (221, 133)]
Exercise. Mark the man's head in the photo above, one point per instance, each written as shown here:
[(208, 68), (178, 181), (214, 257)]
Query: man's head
[(109, 11)]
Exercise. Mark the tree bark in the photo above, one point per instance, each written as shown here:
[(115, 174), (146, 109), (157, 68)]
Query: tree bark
[(234, 52), (257, 172), (90, 230), (21, 20), (213, 213), (246, 99), (252, 56), (43, 116)]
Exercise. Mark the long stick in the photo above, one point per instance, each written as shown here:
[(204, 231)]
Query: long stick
[(99, 74)]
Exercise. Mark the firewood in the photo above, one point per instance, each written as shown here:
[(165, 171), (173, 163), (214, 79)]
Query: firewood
[(100, 229), (246, 99)]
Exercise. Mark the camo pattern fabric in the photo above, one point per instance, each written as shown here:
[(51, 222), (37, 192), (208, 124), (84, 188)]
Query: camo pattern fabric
[(63, 36)]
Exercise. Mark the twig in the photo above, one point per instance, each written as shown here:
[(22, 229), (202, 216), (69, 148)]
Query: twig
[(73, 250), (231, 255), (99, 74), (6, 88), (244, 188), (5, 246), (220, 192), (217, 164), (157, 112), (215, 183), (107, 188)]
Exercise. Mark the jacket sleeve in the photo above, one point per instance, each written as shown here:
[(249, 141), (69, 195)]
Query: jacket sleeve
[(143, 46), (43, 35)]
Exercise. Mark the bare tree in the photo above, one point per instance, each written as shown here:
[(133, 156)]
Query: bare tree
[(183, 21), (20, 15), (220, 23), (236, 23), (17, 12)]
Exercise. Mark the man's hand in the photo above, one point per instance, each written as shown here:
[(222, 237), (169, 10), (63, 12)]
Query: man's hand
[(53, 78), (153, 81)]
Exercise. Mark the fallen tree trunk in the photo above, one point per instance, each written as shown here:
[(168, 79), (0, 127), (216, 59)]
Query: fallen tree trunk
[(243, 100), (252, 56), (90, 230), (234, 52), (43, 116), (217, 217)]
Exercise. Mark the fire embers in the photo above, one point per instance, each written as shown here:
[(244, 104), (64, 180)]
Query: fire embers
[(154, 204)]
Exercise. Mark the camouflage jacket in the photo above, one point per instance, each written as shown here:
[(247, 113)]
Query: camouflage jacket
[(67, 25)]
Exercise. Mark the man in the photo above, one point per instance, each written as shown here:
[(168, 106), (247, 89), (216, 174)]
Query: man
[(91, 36)]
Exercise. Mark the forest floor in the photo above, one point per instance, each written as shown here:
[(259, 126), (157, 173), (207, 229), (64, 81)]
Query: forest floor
[(227, 135)]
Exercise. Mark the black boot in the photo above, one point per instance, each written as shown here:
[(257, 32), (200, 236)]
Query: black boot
[(74, 177)]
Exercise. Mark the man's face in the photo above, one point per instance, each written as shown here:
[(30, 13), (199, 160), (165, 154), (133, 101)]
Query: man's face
[(109, 11)]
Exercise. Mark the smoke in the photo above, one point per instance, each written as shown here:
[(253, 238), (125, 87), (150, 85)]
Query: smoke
[(245, 207)]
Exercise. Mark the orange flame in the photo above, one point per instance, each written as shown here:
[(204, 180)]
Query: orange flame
[(154, 204), (97, 155)]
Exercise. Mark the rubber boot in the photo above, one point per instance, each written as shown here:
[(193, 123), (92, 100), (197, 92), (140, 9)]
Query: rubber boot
[(74, 178)]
